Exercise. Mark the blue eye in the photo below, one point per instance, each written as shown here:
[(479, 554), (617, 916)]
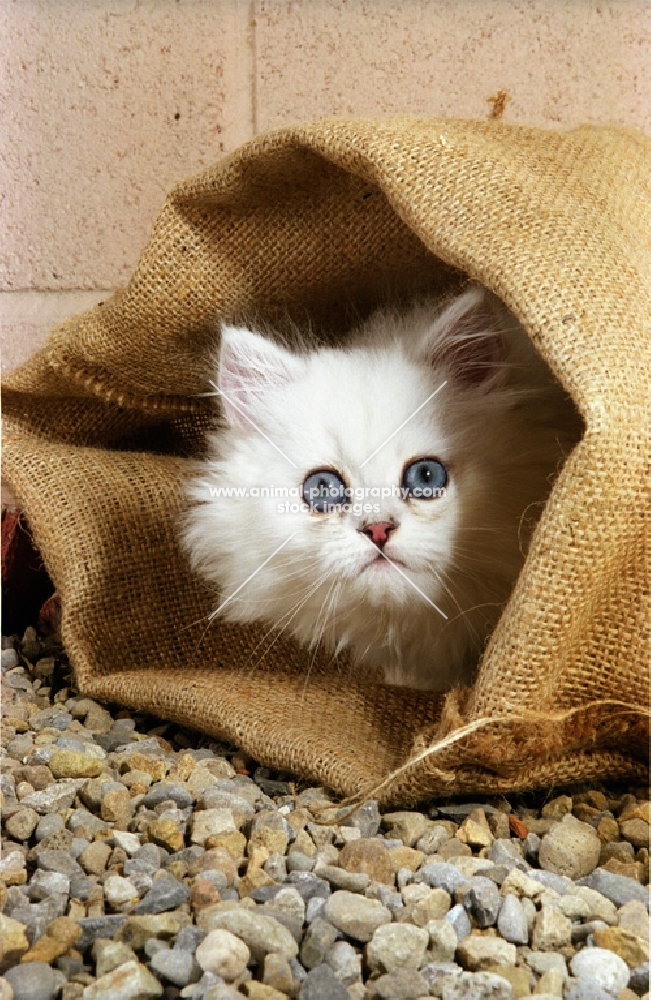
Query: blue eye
[(323, 490), (425, 479)]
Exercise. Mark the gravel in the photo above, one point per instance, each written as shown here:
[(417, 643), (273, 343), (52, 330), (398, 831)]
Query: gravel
[(143, 860)]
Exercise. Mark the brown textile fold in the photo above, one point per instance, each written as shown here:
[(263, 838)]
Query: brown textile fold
[(317, 221)]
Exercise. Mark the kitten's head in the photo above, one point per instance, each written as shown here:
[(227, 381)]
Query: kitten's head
[(354, 474)]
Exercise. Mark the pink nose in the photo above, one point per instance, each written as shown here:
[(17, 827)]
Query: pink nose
[(378, 532)]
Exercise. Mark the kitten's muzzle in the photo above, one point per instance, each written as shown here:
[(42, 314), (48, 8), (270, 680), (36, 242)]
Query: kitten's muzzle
[(378, 532)]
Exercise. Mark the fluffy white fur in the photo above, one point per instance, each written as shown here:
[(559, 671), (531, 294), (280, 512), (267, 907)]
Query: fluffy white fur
[(501, 427)]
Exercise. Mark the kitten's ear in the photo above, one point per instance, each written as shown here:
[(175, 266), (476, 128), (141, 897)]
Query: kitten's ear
[(466, 338), (250, 367)]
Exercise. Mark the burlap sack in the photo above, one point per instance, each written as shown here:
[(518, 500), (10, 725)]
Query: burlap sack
[(305, 222)]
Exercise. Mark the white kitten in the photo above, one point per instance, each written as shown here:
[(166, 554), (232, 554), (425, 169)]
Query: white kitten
[(413, 583)]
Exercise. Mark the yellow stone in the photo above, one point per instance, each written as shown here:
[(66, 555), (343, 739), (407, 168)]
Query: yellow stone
[(624, 943), (406, 857), (14, 876), (165, 833), (45, 950), (275, 841), (183, 768), (13, 942), (304, 844), (136, 930), (139, 762), (254, 879), (475, 830), (257, 857), (73, 764), (65, 930), (516, 975), (260, 991), (233, 842), (552, 982)]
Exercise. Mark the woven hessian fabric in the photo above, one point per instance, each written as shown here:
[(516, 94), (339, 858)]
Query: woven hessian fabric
[(101, 427)]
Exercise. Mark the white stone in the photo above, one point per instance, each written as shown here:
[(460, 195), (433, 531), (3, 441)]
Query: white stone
[(603, 967), (398, 946), (129, 842), (119, 890), (131, 981), (211, 823), (357, 916), (512, 921), (223, 954)]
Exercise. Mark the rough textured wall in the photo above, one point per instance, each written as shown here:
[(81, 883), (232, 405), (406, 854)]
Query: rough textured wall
[(105, 104)]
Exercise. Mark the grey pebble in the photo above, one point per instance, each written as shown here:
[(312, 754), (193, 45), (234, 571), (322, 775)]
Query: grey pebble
[(58, 861), (559, 883), (35, 917), (483, 901), (163, 791), (617, 888), (317, 942), (146, 861), (321, 984), (51, 823), (460, 920), (436, 974), (342, 879), (32, 981), (165, 894), (9, 659), (98, 927), (154, 945), (43, 884), (187, 854), (366, 818), (56, 797), (639, 981), (189, 938), (531, 847), (216, 877), (299, 862), (78, 846), (179, 967), (512, 920), (440, 875), (308, 885), (112, 741), (80, 886), (82, 819), (459, 812), (69, 965), (314, 908), (264, 893), (345, 962), (200, 990), (507, 853), (478, 986)]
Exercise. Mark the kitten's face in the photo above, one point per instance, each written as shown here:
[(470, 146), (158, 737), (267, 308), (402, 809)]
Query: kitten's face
[(328, 423), (369, 421)]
